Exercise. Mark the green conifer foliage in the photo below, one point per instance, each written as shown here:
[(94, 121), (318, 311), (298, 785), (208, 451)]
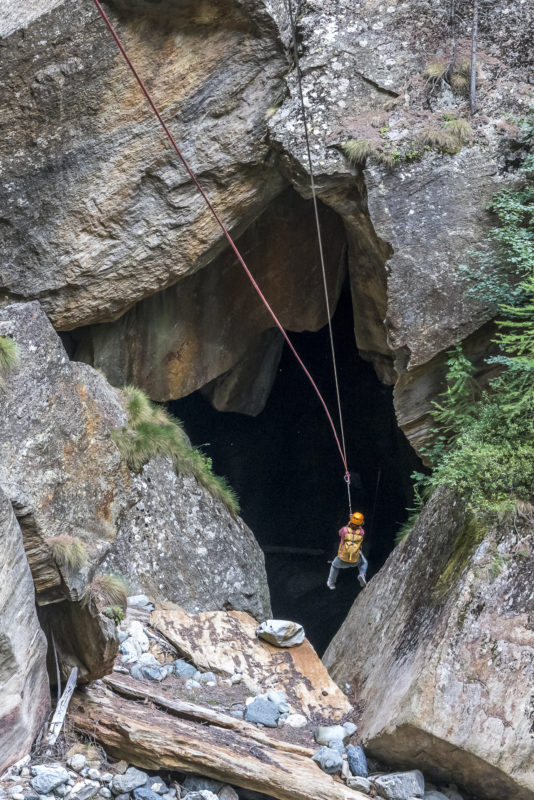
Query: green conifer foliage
[(483, 444)]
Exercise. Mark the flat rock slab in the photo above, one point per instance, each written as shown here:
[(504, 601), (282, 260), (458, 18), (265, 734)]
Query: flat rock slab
[(226, 642)]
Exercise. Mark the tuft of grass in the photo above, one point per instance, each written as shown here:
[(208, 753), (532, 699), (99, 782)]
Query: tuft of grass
[(151, 431), (9, 356), (460, 129), (107, 591), (461, 78), (498, 563), (116, 613), (440, 140), (436, 70), (68, 551), (357, 151)]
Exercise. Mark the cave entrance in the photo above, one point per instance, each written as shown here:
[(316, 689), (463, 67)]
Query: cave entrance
[(286, 470)]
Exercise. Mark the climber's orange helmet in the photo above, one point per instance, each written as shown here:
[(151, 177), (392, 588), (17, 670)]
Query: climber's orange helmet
[(356, 518)]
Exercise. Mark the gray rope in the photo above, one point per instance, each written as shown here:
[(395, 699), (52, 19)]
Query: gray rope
[(319, 236)]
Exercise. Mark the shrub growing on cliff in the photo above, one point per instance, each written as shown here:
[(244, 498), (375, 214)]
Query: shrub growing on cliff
[(8, 356), (507, 259), (68, 551), (151, 431), (485, 450)]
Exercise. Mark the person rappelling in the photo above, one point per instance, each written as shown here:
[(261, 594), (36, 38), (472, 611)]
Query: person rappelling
[(349, 553)]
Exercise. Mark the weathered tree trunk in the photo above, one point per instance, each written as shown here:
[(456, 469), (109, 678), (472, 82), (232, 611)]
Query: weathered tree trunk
[(61, 710), (474, 35), (206, 742), (452, 23)]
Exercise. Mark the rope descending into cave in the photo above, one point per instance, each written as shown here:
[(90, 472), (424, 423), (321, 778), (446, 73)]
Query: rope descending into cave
[(231, 242), (319, 238)]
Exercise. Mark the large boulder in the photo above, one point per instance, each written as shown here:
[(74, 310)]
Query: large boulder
[(24, 691), (439, 650), (58, 462), (121, 230), (64, 473), (177, 543), (118, 218), (412, 222)]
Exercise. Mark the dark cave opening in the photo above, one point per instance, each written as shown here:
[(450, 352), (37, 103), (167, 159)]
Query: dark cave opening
[(287, 472)]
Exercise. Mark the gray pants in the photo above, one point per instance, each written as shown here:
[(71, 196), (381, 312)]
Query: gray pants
[(338, 564)]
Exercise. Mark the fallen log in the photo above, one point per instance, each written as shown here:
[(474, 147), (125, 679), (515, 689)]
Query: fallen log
[(134, 690), (153, 739)]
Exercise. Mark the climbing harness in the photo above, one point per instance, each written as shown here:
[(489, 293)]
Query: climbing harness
[(340, 444)]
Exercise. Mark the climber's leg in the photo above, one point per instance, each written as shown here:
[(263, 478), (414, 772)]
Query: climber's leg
[(362, 569)]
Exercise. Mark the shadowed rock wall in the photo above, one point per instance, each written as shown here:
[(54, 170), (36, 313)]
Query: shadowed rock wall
[(206, 325)]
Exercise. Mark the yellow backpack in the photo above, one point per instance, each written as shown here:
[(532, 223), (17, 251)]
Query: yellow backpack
[(349, 549)]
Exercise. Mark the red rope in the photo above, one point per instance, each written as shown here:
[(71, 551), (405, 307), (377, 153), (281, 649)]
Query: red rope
[(223, 228)]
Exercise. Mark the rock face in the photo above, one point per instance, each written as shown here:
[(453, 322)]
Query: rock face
[(23, 677), (427, 307), (64, 474), (177, 543), (58, 463), (120, 230), (440, 652), (118, 217), (410, 227)]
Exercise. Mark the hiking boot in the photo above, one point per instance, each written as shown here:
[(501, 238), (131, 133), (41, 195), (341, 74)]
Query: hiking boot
[(331, 585), (362, 581)]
